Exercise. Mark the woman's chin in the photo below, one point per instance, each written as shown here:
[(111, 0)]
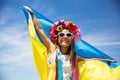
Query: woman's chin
[(64, 44)]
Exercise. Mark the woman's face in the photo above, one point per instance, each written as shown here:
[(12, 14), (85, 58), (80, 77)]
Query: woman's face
[(65, 38)]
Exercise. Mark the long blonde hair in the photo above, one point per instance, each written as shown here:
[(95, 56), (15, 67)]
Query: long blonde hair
[(71, 53)]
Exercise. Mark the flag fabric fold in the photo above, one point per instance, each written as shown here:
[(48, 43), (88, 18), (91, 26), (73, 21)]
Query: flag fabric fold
[(88, 70)]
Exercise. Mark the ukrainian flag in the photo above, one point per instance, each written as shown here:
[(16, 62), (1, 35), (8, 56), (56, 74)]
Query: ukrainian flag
[(88, 70)]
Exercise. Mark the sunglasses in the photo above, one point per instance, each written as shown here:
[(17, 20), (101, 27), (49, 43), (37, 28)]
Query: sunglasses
[(61, 34)]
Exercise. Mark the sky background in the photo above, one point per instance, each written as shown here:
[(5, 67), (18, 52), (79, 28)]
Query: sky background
[(99, 21)]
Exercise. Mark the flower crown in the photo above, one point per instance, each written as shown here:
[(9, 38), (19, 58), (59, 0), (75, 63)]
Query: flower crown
[(60, 25)]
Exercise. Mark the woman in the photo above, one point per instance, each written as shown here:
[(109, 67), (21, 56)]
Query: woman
[(63, 35)]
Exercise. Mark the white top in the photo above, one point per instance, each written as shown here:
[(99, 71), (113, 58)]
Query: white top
[(67, 68)]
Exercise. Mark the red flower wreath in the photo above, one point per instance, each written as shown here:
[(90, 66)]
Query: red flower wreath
[(60, 25)]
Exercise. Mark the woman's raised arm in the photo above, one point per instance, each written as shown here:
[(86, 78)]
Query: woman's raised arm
[(50, 46), (107, 60)]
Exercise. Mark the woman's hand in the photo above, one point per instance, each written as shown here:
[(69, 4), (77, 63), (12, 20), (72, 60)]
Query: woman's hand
[(30, 10), (108, 60), (111, 61)]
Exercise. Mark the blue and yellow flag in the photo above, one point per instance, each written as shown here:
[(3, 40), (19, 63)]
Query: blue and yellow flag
[(88, 70)]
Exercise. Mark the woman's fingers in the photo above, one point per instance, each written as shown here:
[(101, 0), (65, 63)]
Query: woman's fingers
[(26, 7), (113, 61)]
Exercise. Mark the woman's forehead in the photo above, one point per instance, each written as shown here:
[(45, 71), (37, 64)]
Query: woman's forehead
[(65, 30)]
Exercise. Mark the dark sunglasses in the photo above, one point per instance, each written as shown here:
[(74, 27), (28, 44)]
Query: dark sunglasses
[(65, 34)]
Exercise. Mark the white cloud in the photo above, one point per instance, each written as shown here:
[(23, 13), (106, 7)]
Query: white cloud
[(101, 40), (107, 44), (15, 47), (16, 57)]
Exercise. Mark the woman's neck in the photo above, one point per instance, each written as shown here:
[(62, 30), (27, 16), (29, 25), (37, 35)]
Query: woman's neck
[(64, 50)]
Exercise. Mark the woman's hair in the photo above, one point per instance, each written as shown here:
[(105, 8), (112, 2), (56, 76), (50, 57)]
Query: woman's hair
[(71, 52)]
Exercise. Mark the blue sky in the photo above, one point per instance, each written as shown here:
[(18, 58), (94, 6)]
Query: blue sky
[(99, 21)]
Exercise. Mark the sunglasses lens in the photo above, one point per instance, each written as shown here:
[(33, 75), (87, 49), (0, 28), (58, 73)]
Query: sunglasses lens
[(61, 34), (69, 35)]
